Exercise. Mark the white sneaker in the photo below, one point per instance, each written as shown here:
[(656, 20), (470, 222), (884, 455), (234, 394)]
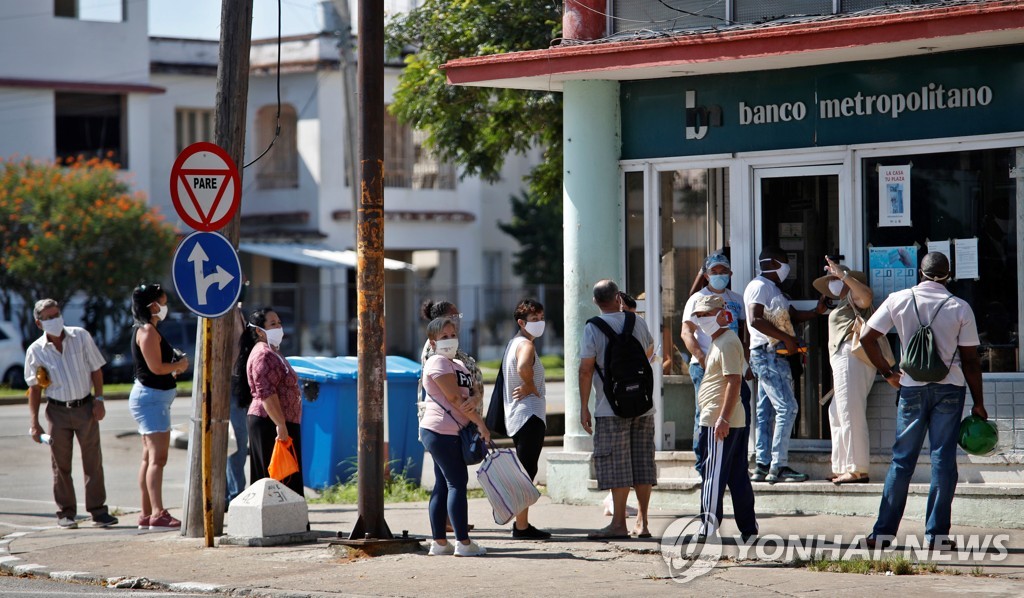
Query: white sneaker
[(440, 550), (471, 549)]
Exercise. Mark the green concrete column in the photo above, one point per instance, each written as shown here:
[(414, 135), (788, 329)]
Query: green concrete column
[(592, 217)]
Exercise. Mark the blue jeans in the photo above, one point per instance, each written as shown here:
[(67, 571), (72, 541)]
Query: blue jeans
[(934, 409), (776, 407), (697, 375), (448, 499), (236, 460)]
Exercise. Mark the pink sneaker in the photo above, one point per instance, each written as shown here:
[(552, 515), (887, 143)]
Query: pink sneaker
[(144, 521), (164, 521)]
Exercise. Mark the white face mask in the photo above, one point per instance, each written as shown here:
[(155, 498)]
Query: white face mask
[(446, 347), (708, 324), (274, 335), (782, 272), (534, 329), (53, 326), (161, 312), (835, 287)]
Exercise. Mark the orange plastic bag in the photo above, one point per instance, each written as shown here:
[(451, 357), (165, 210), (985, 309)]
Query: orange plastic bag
[(282, 461)]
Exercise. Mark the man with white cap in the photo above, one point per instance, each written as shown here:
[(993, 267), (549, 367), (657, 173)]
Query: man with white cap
[(934, 408), (717, 271), (722, 444)]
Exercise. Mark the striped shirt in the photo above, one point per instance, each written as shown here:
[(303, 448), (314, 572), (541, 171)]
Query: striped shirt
[(70, 371), (518, 412)]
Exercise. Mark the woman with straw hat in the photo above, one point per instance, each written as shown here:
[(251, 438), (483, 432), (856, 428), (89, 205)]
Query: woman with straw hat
[(852, 378)]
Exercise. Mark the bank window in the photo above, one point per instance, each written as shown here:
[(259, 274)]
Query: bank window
[(958, 195), (634, 282), (90, 125), (693, 224)]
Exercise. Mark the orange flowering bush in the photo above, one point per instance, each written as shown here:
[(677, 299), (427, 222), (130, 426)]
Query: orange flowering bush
[(76, 226)]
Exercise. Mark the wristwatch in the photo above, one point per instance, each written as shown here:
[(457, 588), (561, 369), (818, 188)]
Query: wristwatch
[(99, 398)]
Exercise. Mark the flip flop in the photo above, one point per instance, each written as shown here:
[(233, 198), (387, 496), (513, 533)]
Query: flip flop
[(605, 535), (644, 535), (844, 479)]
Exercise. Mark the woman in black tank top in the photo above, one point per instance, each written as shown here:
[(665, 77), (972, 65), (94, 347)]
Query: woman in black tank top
[(150, 400)]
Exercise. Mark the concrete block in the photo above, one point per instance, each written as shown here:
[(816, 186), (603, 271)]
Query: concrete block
[(267, 508)]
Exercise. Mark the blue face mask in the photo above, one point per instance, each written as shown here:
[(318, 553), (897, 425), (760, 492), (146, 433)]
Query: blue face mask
[(719, 281)]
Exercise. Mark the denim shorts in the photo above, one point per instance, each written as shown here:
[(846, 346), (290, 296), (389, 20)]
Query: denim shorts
[(151, 408)]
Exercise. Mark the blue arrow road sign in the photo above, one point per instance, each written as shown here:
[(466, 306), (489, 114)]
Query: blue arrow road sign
[(207, 274)]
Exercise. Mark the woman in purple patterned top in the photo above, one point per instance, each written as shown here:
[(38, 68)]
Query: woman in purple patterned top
[(276, 408)]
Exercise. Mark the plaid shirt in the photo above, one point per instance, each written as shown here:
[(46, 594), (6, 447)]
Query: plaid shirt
[(269, 373), (70, 370)]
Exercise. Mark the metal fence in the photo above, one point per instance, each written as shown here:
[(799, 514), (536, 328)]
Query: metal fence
[(322, 320)]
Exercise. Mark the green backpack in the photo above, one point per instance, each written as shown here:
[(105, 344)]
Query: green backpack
[(921, 359)]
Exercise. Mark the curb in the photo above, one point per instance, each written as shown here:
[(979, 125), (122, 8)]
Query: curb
[(117, 396), (15, 566)]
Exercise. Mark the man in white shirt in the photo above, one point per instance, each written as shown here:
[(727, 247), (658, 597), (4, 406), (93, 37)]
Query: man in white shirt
[(776, 403), (934, 408), (64, 363), (717, 271)]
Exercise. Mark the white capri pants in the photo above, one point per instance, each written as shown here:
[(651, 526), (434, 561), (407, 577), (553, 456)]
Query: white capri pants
[(847, 413)]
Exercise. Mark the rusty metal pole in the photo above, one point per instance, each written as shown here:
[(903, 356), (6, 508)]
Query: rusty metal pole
[(370, 275)]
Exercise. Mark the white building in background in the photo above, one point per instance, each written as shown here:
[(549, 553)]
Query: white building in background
[(88, 80)]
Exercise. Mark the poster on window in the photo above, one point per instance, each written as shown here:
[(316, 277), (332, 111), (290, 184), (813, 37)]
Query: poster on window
[(894, 195), (892, 269)]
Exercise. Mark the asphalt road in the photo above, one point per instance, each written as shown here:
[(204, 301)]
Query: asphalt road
[(26, 479)]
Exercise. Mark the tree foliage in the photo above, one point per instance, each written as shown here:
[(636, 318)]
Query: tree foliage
[(477, 127), (76, 227)]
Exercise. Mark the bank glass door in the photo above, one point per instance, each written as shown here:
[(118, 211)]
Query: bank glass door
[(797, 209)]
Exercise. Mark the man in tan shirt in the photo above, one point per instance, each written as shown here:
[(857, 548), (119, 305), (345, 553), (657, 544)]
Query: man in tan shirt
[(724, 459)]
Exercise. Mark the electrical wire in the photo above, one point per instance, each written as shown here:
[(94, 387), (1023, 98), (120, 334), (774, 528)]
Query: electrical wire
[(277, 128)]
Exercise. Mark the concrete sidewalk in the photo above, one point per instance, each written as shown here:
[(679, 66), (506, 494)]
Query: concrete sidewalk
[(566, 564)]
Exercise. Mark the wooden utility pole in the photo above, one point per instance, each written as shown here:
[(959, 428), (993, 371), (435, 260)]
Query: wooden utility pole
[(370, 275), (229, 133)]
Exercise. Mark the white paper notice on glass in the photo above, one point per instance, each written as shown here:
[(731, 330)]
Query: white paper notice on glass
[(894, 195), (966, 258), (940, 247)]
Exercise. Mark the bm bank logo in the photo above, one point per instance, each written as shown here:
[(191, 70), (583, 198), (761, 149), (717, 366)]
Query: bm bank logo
[(699, 118)]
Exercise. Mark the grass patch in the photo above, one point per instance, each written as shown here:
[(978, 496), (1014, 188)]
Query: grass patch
[(554, 368), (897, 565), (397, 488)]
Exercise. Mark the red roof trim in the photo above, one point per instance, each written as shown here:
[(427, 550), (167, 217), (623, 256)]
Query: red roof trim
[(82, 86), (740, 44)]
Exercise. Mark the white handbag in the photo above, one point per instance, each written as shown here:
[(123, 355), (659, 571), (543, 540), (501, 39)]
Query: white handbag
[(508, 487)]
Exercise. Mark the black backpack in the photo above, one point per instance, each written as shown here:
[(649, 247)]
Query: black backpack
[(921, 358), (628, 378)]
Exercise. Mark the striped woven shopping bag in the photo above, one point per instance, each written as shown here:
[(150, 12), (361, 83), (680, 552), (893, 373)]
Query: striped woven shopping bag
[(508, 487)]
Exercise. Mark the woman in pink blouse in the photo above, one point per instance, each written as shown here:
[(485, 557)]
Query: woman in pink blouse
[(276, 408), (448, 409)]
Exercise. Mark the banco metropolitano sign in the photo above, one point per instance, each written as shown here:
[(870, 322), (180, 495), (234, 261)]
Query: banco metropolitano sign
[(942, 95)]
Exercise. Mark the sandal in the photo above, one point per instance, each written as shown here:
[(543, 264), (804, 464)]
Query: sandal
[(607, 533), (851, 478)]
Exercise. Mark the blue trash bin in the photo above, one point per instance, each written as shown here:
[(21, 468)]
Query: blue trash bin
[(330, 408), (330, 437), (405, 452)]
